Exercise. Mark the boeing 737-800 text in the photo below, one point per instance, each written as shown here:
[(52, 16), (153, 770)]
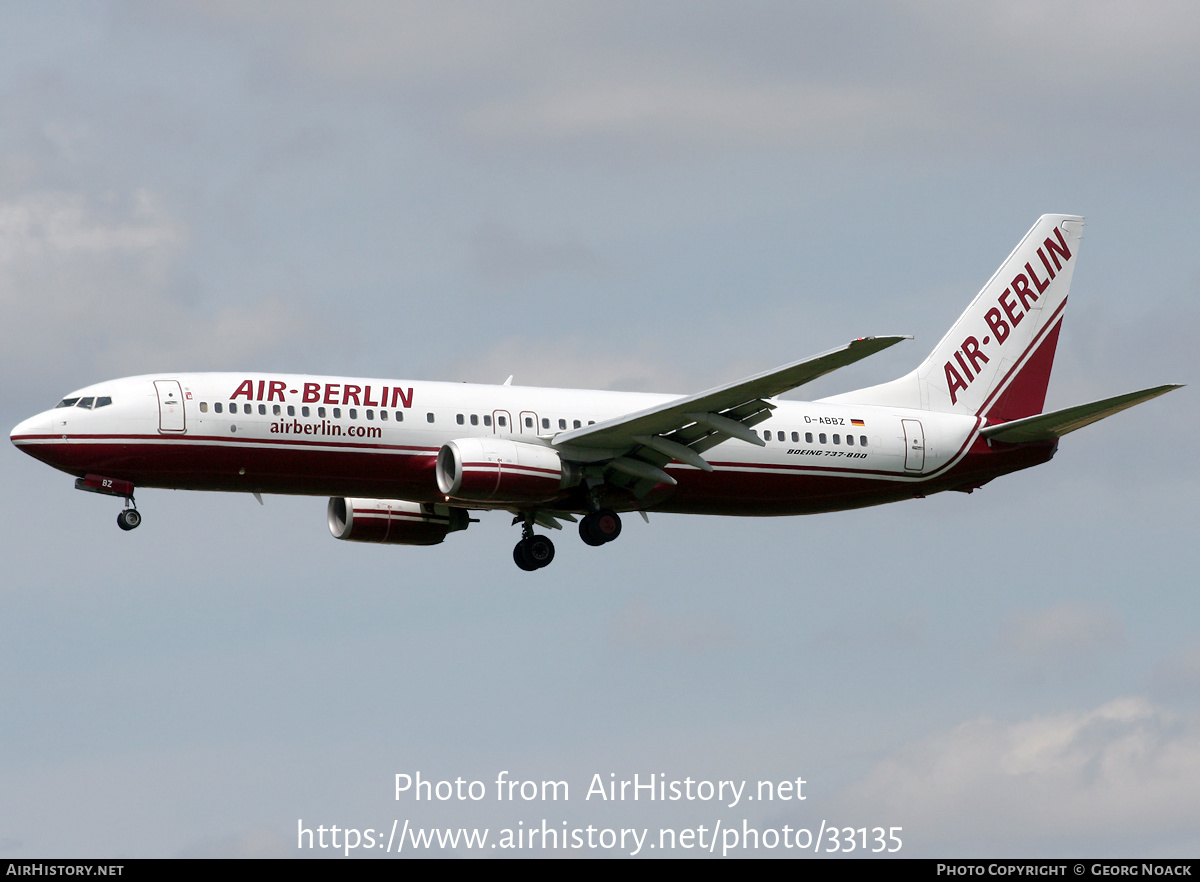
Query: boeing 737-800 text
[(404, 462)]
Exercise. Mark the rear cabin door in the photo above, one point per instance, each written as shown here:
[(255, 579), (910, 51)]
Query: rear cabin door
[(914, 446)]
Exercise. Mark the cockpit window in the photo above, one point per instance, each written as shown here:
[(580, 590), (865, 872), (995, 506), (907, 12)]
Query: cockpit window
[(86, 402), (103, 401), (67, 402)]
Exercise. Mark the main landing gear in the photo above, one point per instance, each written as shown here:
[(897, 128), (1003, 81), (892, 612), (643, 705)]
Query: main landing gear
[(601, 526), (532, 552)]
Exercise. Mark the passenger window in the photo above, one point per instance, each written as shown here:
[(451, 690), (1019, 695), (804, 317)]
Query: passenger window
[(850, 440), (562, 424), (528, 422), (545, 423), (501, 422), (304, 411), (808, 437), (575, 424), (246, 408), (487, 420), (399, 416), (837, 439), (204, 407), (383, 415), (291, 410), (370, 414), (321, 412), (276, 410), (262, 409), (821, 437), (795, 437), (429, 417), (337, 413), (460, 419), (474, 419), (354, 413), (862, 440), (217, 407)]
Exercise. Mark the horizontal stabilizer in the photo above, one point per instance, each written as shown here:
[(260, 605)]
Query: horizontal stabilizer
[(1048, 426)]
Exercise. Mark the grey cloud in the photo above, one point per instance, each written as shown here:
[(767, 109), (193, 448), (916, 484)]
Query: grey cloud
[(921, 76), (499, 255), (1066, 632), (640, 626), (1123, 772), (89, 286), (1178, 675)]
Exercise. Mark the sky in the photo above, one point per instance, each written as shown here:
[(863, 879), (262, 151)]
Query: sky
[(650, 196)]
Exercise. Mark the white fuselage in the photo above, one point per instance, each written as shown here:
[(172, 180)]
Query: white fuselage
[(341, 436)]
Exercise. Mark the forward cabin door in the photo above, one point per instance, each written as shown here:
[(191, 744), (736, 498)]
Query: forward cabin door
[(171, 419)]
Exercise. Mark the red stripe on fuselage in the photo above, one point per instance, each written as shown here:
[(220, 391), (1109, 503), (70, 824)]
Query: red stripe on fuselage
[(315, 468)]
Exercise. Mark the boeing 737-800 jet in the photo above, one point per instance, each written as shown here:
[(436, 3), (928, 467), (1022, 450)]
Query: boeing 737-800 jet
[(404, 462)]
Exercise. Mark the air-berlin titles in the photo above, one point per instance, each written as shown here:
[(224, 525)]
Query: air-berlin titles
[(969, 356), (326, 393)]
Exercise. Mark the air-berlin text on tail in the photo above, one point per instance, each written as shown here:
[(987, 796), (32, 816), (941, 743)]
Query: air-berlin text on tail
[(365, 395), (1011, 306)]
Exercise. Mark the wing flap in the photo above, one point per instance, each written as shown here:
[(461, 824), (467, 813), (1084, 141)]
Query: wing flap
[(1048, 426)]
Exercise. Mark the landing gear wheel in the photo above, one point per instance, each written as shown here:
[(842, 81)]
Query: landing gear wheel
[(129, 519), (533, 553), (600, 527), (519, 556)]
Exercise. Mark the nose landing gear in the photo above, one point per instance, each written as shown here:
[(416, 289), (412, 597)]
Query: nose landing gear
[(129, 519)]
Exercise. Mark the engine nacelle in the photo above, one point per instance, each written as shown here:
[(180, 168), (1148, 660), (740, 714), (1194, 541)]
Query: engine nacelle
[(504, 471), (393, 521)]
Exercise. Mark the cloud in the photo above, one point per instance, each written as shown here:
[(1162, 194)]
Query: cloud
[(694, 109), (501, 256), (925, 75), (1100, 779), (1178, 675), (255, 843), (639, 626), (1066, 632), (89, 287), (577, 364)]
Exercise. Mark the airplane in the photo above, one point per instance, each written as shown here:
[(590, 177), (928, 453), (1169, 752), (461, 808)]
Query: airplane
[(406, 462)]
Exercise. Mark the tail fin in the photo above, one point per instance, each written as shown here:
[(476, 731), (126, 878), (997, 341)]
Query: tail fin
[(995, 361)]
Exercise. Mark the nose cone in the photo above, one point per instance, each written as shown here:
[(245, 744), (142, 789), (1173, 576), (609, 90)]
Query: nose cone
[(27, 433)]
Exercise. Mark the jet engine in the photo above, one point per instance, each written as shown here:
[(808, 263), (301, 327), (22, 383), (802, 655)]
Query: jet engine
[(393, 521), (504, 471)]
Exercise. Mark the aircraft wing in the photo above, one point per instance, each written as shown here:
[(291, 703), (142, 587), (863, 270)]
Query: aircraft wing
[(1047, 426), (683, 428)]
